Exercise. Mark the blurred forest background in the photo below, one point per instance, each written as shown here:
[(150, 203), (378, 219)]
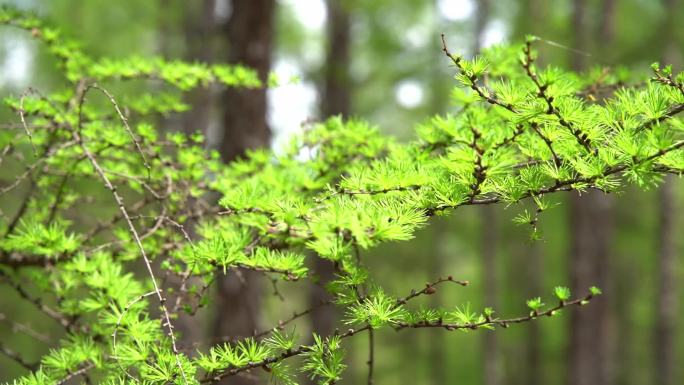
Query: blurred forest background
[(381, 60)]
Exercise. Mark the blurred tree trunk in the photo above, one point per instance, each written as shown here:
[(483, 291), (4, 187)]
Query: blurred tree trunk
[(532, 20), (489, 247), (667, 309), (481, 20), (250, 36), (437, 347), (606, 30), (534, 287), (199, 30), (336, 92), (442, 229), (489, 239), (335, 100), (591, 232), (579, 25), (666, 320), (249, 32)]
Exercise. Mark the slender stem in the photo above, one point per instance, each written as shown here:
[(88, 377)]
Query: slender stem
[(136, 237)]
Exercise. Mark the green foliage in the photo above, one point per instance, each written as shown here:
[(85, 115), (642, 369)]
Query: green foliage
[(535, 304), (324, 360), (562, 293), (49, 240), (338, 189), (377, 310)]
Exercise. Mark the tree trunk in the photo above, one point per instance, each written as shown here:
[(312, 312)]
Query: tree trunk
[(534, 288), (579, 25), (492, 360), (481, 20), (533, 20), (335, 100), (666, 321), (198, 27), (199, 30), (667, 306), (250, 35), (490, 240), (591, 232), (591, 229), (606, 30)]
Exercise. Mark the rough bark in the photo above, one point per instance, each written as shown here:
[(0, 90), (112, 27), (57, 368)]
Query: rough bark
[(249, 32)]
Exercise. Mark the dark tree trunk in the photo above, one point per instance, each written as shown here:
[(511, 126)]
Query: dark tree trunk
[(250, 36), (606, 30), (666, 321), (335, 100), (492, 360), (534, 22), (591, 232), (336, 96), (490, 240), (667, 307), (591, 229), (481, 20), (200, 32), (579, 25), (198, 28), (534, 288), (437, 348)]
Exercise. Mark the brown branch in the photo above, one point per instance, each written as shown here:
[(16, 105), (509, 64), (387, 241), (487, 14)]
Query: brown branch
[(533, 315), (78, 372), (527, 63), (429, 289), (212, 378), (480, 91)]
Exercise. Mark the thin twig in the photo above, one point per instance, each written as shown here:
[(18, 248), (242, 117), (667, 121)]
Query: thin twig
[(120, 203)]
